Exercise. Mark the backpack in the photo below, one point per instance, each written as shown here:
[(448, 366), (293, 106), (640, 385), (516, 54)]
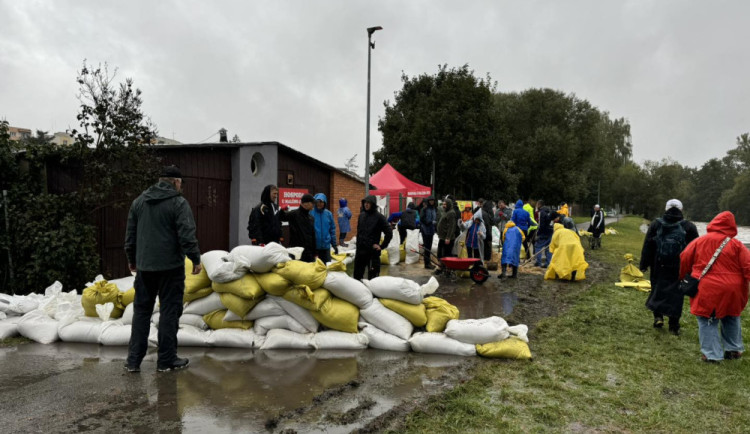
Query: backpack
[(670, 241)]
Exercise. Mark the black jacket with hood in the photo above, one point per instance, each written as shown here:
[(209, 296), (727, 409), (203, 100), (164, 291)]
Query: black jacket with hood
[(301, 228), (161, 230), (264, 225), (447, 227), (370, 225)]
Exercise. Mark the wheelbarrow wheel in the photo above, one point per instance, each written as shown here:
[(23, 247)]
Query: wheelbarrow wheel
[(479, 274)]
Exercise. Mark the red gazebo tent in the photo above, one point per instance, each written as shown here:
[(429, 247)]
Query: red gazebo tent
[(389, 181)]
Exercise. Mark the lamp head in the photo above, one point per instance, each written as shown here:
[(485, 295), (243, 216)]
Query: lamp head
[(371, 30)]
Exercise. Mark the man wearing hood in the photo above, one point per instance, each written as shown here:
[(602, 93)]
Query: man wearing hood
[(521, 217), (325, 229), (722, 291), (512, 240), (302, 227), (344, 215), (544, 235), (665, 240), (159, 234), (475, 235), (428, 223), (264, 225), (447, 229), (369, 227)]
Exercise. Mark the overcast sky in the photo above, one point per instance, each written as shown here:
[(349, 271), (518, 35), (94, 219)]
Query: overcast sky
[(296, 71)]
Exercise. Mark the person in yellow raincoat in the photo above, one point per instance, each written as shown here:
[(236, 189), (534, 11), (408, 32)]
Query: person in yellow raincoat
[(568, 262)]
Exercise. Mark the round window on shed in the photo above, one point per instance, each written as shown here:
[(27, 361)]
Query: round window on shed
[(256, 163)]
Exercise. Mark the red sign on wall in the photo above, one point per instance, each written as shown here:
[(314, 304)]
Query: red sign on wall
[(291, 197)]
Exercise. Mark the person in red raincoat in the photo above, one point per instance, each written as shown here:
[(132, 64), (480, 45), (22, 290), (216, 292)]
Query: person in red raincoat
[(722, 292)]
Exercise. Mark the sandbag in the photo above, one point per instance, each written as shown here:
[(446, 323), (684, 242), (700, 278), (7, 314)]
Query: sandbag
[(195, 282), (336, 340), (215, 321), (411, 247), (393, 249), (246, 287), (338, 314), (286, 322), (415, 313), (439, 312), (86, 330), (511, 348), (189, 336), (285, 339), (218, 269), (9, 327), (520, 331), (99, 293), (238, 305), (194, 320), (382, 340), (630, 273), (398, 288), (384, 257), (204, 305), (127, 297), (273, 283), (115, 333), (303, 296), (478, 331), (348, 288), (235, 338), (439, 343), (195, 295), (312, 274), (104, 311), (127, 316), (387, 320), (39, 327), (303, 316), (266, 307), (259, 259), (17, 304)]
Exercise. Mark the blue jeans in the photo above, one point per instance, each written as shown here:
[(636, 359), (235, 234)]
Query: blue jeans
[(708, 333), (541, 243)]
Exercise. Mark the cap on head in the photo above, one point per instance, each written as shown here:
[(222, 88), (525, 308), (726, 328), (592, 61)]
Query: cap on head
[(171, 172), (307, 198), (673, 203)]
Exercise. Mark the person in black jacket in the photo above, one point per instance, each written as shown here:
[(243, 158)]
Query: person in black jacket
[(666, 238), (428, 224), (302, 227), (264, 226), (544, 235), (369, 227)]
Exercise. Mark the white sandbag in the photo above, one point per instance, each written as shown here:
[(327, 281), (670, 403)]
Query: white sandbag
[(393, 249), (187, 336), (258, 259), (263, 325), (204, 305), (266, 307), (105, 310), (17, 304), (439, 343), (381, 340), (495, 237), (127, 315), (54, 289), (520, 331), (194, 320), (295, 252), (218, 269), (435, 241), (284, 339), (412, 246), (477, 331), (124, 283), (39, 327), (336, 340), (398, 288), (9, 327), (386, 320), (302, 315), (348, 288), (86, 330), (115, 333), (3, 316), (235, 338)]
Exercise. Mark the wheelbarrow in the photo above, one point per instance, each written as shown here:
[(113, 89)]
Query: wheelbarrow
[(450, 265)]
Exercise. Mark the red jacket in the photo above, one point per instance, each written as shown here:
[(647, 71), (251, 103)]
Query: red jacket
[(723, 290)]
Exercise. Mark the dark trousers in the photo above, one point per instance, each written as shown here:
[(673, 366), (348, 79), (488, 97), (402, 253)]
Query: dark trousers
[(473, 253), (308, 255), (367, 259), (324, 255), (445, 250), (529, 241), (169, 285), (427, 237), (401, 233), (342, 237)]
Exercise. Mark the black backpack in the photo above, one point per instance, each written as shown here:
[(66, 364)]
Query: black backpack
[(670, 242)]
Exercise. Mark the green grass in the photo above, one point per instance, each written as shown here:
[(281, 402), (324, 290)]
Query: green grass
[(12, 342), (600, 367)]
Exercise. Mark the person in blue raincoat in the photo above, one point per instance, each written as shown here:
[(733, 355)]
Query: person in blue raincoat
[(344, 217), (325, 229), (512, 240), (521, 217), (475, 236)]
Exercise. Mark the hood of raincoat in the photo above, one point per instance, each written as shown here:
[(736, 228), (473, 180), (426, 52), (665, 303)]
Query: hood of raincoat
[(321, 196), (563, 210), (372, 200), (557, 226), (509, 224), (724, 224), (519, 204), (448, 202), (343, 203), (478, 215), (265, 197), (164, 190)]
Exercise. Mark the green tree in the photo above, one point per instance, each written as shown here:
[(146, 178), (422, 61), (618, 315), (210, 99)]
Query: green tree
[(707, 186)]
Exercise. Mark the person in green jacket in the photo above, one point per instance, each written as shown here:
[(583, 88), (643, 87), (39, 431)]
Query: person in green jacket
[(159, 234), (531, 236)]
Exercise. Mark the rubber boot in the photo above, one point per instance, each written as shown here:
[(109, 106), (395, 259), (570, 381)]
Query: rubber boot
[(502, 272), (515, 272)]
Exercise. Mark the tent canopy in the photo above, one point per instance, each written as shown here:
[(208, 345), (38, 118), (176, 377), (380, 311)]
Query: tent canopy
[(389, 181)]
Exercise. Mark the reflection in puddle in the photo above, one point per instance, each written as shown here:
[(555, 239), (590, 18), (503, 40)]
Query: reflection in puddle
[(482, 301)]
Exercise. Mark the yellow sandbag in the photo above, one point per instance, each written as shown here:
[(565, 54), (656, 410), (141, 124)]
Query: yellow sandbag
[(238, 305), (439, 312), (215, 321), (641, 285), (384, 257), (338, 258), (463, 254), (610, 231), (101, 292), (336, 266), (402, 252), (303, 296), (246, 286), (195, 282), (127, 297), (205, 292), (567, 255), (273, 283), (303, 273), (338, 314), (630, 273), (415, 313), (585, 233), (511, 348)]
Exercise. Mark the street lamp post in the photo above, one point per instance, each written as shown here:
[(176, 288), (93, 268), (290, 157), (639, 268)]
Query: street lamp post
[(370, 46)]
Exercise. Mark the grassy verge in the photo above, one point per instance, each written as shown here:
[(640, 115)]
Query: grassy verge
[(12, 342), (600, 367)]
